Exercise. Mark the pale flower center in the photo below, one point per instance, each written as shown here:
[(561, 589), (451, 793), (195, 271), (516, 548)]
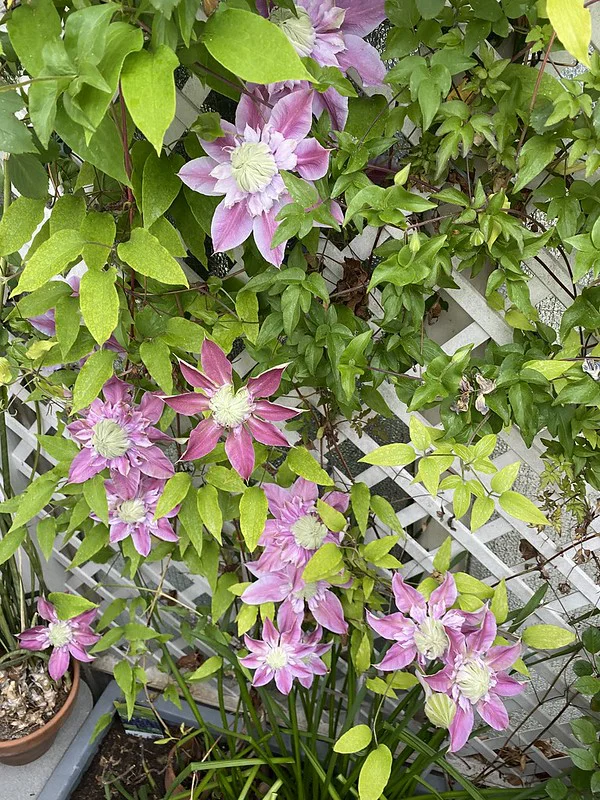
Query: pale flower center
[(299, 30), (59, 634), (431, 639), (109, 439), (309, 532), (230, 408), (131, 511), (252, 166), (307, 592), (276, 658), (473, 679)]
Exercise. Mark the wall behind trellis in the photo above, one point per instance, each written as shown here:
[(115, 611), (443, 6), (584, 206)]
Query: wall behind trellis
[(493, 552)]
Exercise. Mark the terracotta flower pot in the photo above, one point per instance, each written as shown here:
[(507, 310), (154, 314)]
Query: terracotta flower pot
[(26, 749)]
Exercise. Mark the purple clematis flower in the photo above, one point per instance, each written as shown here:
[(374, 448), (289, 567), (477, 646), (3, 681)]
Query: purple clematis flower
[(117, 434), (67, 637), (330, 32), (245, 166), (475, 678), (421, 630), (287, 585), (283, 656), (131, 505), (240, 415), (297, 530)]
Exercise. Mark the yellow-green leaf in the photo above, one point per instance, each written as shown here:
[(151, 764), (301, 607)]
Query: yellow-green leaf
[(375, 773), (522, 508), (391, 455), (573, 25), (355, 739), (547, 637), (303, 464), (99, 302), (253, 515)]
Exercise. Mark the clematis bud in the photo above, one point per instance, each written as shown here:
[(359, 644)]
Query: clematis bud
[(440, 709)]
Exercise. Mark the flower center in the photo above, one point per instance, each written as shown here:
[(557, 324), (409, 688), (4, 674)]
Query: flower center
[(299, 30), (276, 658), (230, 408), (252, 166), (473, 679), (59, 633), (431, 639), (131, 511), (308, 591), (109, 439), (309, 532)]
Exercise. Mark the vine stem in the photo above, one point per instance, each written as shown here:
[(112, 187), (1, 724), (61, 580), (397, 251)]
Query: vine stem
[(536, 89), (6, 482)]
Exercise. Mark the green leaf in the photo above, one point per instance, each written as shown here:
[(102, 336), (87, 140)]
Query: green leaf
[(303, 464), (503, 480), (253, 515), (522, 508), (145, 254), (467, 584), (482, 510), (148, 87), (355, 739), (547, 637), (30, 27), (420, 434), (160, 187), (99, 230), (499, 604), (573, 25), (222, 598), (225, 479), (97, 369), (99, 302), (156, 356), (262, 52), (582, 758), (68, 213), (14, 135), (549, 368), (430, 8), (94, 493), (461, 500), (50, 258), (587, 684), (360, 497), (584, 730), (18, 223), (429, 98), (173, 494), (92, 543), (325, 563), (383, 509), (441, 560), (375, 773), (378, 549), (34, 499), (46, 534), (334, 519), (536, 154), (210, 510), (189, 517), (69, 605), (208, 668), (390, 455), (68, 323), (10, 543), (125, 679)]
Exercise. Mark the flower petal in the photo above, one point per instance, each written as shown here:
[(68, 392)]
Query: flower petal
[(220, 149), (406, 596), (266, 383), (494, 712), (444, 596), (215, 363), (362, 16), (84, 466), (46, 610), (274, 412), (155, 464), (392, 626), (334, 104), (77, 651), (203, 440), (313, 159), (461, 727), (269, 589), (196, 175), (196, 378), (330, 614), (116, 391), (284, 680), (141, 540), (264, 227), (164, 531), (266, 433), (59, 662), (230, 226), (240, 451), (480, 641), (188, 404), (292, 115), (364, 58), (397, 657), (251, 111), (507, 686)]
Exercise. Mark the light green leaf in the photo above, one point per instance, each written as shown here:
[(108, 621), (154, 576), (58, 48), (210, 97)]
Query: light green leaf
[(99, 302), (375, 773), (482, 510), (30, 27), (149, 90), (50, 258), (441, 560), (467, 584), (222, 598), (499, 604), (303, 464), (536, 154), (147, 256), (326, 562), (253, 515), (225, 479), (355, 739), (69, 605), (94, 493), (99, 230), (334, 520), (383, 509), (504, 478), (10, 543), (420, 434), (208, 668), (174, 493), (210, 510), (68, 323), (522, 508), (461, 500), (549, 368), (18, 223), (390, 455), (34, 499), (547, 637), (92, 543), (97, 369), (262, 52), (573, 25), (376, 550), (46, 534), (156, 356), (360, 497)]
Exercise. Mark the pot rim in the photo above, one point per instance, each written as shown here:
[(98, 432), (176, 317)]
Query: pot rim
[(23, 742)]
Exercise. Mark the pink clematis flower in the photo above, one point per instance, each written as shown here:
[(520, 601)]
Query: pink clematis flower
[(297, 530), (283, 656), (245, 166), (131, 505), (475, 678), (330, 32), (420, 629), (240, 415), (117, 434), (287, 585), (67, 637)]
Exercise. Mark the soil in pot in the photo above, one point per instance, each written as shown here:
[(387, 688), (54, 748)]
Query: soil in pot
[(125, 762)]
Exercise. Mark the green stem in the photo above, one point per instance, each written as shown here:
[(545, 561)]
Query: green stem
[(185, 690), (296, 740)]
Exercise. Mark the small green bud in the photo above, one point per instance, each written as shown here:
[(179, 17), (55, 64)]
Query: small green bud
[(440, 709)]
